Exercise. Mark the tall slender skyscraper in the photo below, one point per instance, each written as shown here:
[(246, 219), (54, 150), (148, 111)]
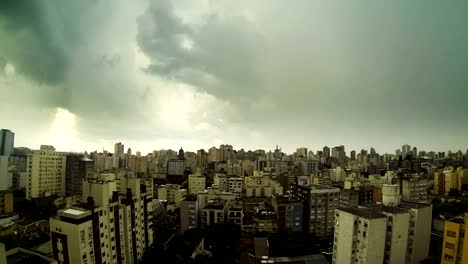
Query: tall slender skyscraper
[(326, 152), (7, 139)]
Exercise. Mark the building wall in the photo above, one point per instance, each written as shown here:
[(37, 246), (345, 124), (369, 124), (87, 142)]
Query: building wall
[(397, 237), (323, 203), (196, 183), (419, 236), (6, 202), (45, 173), (455, 246), (72, 242), (188, 214)]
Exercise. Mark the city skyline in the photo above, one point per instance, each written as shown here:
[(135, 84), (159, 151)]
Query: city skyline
[(165, 74), (123, 149)]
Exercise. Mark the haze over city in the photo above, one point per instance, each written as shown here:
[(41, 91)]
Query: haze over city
[(82, 75)]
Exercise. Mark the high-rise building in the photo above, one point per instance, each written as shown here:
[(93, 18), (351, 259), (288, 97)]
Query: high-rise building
[(118, 154), (455, 244), (326, 152), (301, 152), (78, 168), (176, 167), (261, 185), (235, 186), (196, 183), (6, 149), (6, 180), (319, 203), (202, 158), (307, 167), (110, 227), (214, 212), (414, 152), (45, 173), (7, 139), (395, 232), (289, 213), (172, 193), (353, 155), (119, 149), (188, 212), (406, 149)]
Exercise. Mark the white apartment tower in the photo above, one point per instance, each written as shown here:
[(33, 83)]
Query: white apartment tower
[(109, 227), (382, 233), (45, 173)]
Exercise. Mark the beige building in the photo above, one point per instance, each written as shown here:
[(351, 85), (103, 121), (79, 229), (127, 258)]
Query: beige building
[(110, 227), (415, 189), (213, 193), (382, 234), (261, 185), (196, 183), (45, 173), (171, 193)]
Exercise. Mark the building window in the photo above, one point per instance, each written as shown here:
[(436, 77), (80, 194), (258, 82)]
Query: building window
[(449, 245), (451, 233)]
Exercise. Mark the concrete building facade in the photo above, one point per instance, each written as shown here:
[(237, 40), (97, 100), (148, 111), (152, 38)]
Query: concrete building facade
[(45, 173)]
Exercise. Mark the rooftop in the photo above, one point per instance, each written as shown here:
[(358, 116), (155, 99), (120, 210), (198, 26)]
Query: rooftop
[(75, 213), (368, 213), (413, 205), (386, 209), (190, 197), (217, 204)]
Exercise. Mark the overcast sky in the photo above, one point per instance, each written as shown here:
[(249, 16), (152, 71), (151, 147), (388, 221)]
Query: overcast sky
[(82, 75)]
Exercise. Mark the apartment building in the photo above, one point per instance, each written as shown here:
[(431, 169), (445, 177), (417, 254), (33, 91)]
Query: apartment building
[(214, 212), (172, 193), (45, 173), (109, 227), (261, 185), (188, 212), (415, 189), (289, 213), (235, 213), (393, 232), (196, 183), (319, 203), (455, 245)]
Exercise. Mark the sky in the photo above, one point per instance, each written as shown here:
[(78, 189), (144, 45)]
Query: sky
[(160, 74)]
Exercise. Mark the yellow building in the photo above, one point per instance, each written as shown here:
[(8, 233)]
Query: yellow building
[(6, 202), (455, 246), (450, 178)]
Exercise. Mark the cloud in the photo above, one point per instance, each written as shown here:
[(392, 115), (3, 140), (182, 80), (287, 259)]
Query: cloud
[(219, 56), (158, 72)]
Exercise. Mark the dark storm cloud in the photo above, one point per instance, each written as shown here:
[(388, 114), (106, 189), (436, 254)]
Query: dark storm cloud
[(33, 42), (219, 56)]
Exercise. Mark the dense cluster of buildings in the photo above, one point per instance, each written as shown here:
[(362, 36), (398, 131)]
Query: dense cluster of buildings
[(374, 208)]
